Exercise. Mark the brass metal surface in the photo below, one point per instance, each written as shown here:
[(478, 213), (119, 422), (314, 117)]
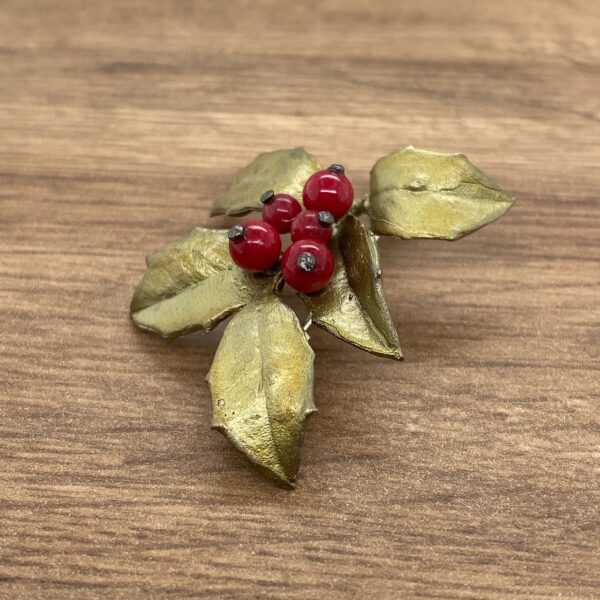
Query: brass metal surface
[(421, 194), (352, 306), (261, 384), (181, 264), (203, 305), (193, 284), (284, 171)]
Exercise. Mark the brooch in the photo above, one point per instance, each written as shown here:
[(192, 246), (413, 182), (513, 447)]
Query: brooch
[(261, 379)]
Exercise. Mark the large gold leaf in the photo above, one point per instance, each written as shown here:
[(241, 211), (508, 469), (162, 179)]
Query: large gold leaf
[(284, 171), (193, 284), (420, 194), (261, 384), (352, 306)]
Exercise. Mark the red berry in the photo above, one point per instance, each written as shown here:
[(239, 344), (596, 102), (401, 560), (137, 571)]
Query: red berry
[(307, 265), (313, 225), (254, 246), (280, 210), (330, 190)]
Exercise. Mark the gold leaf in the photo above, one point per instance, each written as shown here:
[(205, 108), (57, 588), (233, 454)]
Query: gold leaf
[(420, 194), (352, 306), (181, 264), (284, 171), (261, 384), (193, 284)]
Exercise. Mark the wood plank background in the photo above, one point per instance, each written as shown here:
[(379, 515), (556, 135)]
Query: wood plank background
[(470, 470)]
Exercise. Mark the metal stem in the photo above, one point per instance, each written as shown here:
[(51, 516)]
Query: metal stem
[(360, 206)]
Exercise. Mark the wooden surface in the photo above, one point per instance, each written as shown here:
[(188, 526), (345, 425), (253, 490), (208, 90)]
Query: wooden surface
[(470, 470)]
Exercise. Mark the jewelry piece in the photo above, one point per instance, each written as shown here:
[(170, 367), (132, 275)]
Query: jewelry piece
[(261, 379)]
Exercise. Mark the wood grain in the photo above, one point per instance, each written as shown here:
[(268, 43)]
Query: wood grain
[(470, 470)]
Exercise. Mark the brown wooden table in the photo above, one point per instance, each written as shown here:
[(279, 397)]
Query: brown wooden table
[(470, 470)]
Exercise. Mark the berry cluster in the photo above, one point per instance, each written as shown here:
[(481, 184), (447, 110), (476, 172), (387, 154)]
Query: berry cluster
[(307, 264)]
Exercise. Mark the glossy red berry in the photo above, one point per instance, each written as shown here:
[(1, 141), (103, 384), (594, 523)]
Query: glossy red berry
[(254, 245), (313, 225), (280, 210), (330, 190), (307, 265)]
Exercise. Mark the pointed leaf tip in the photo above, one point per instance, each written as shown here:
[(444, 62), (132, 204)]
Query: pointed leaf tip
[(421, 194), (352, 306), (261, 384)]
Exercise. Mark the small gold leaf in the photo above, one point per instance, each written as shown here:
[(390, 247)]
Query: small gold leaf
[(261, 384), (193, 284), (420, 194), (352, 306), (284, 171)]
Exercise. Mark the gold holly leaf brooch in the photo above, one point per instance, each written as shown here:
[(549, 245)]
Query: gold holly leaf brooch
[(261, 380)]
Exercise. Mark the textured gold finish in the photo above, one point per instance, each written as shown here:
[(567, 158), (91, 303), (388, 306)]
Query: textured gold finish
[(284, 171), (262, 376), (181, 264), (352, 306), (420, 194), (193, 284), (261, 383)]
